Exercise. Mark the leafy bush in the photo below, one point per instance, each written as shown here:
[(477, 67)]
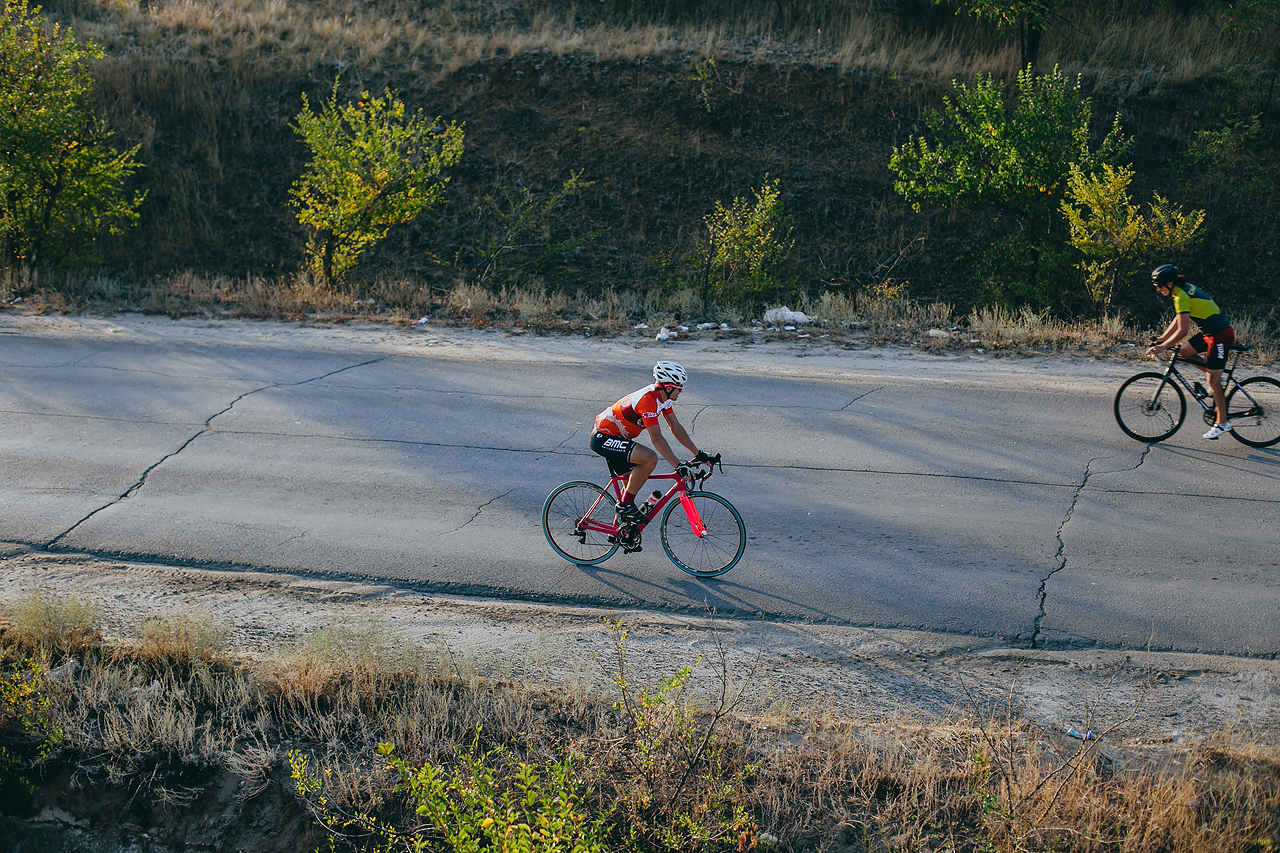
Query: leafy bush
[(682, 781), (1108, 228), (488, 801), (512, 221), (1016, 158), (747, 242), (370, 169), (27, 730), (61, 184)]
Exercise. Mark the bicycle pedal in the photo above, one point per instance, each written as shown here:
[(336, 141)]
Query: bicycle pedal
[(634, 550)]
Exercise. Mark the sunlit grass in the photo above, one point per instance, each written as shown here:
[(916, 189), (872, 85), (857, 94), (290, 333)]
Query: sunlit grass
[(1114, 49), (136, 718)]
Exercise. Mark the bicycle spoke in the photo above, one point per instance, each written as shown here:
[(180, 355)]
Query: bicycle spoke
[(1254, 409), (563, 517), (715, 552), (1149, 408)]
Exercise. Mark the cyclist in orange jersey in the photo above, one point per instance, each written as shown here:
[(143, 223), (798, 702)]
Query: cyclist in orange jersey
[(617, 427)]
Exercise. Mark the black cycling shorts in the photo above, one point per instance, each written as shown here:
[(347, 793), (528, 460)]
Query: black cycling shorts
[(616, 451), (1215, 347)]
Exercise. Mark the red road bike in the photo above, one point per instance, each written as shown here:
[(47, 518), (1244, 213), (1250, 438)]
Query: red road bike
[(702, 533)]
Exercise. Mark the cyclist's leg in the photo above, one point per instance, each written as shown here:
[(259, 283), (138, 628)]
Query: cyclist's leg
[(615, 451), (643, 460), (620, 453), (1215, 352)]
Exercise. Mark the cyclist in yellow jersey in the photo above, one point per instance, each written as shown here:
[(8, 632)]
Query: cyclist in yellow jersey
[(1214, 341)]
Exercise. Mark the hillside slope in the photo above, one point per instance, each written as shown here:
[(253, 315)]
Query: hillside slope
[(662, 137)]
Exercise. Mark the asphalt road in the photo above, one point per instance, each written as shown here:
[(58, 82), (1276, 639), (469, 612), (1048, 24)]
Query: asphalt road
[(988, 497)]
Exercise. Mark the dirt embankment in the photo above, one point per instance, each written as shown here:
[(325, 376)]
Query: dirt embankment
[(663, 140), (1139, 701)]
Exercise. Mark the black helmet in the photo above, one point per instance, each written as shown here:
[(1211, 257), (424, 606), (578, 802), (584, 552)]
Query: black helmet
[(1164, 274)]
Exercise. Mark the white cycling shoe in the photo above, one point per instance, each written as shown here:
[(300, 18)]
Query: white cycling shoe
[(1217, 430)]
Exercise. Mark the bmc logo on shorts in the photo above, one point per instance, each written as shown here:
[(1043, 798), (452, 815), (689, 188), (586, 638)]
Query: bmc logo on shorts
[(615, 444)]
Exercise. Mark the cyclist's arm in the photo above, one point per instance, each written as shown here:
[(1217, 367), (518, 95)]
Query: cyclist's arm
[(1178, 328), (677, 429), (660, 444)]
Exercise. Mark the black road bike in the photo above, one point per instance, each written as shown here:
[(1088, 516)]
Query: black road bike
[(1151, 406)]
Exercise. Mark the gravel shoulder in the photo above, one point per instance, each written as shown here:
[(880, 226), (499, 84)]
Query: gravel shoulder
[(788, 667)]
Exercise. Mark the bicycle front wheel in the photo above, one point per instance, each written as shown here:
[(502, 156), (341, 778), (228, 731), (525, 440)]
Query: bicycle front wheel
[(563, 516), (1149, 408), (1254, 409), (709, 555)]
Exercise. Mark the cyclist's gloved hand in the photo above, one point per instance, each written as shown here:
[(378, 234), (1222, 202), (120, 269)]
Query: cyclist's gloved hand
[(684, 471), (703, 456)]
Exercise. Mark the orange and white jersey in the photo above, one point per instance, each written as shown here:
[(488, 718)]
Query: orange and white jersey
[(633, 414)]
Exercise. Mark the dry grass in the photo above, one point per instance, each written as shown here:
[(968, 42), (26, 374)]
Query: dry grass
[(136, 723), (881, 315), (189, 639), (436, 39), (52, 626)]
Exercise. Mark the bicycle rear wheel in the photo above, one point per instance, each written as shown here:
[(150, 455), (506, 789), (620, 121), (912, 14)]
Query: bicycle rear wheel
[(1148, 408), (704, 556), (1256, 421), (562, 517)]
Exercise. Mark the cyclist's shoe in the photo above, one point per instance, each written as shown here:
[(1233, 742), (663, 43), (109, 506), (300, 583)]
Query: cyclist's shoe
[(1217, 430), (1200, 390), (630, 514)]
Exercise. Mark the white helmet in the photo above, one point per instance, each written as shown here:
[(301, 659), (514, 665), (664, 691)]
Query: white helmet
[(669, 373)]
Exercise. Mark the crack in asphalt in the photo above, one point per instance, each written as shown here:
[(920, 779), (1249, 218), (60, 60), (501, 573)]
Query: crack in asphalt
[(693, 422), (142, 480), (568, 439), (859, 397), (83, 417), (1060, 555), (479, 510)]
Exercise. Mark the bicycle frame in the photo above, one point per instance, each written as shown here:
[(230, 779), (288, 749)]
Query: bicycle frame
[(1229, 377), (679, 489)]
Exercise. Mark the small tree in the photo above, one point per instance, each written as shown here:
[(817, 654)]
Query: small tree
[(61, 184), (1113, 233), (371, 168), (1016, 158), (746, 244)]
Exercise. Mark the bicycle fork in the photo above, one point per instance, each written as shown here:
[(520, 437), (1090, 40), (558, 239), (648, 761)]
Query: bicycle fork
[(695, 520)]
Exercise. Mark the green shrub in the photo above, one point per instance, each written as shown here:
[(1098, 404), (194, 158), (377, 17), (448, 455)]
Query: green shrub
[(747, 243), (61, 184), (488, 801), (27, 730), (370, 169), (1115, 235), (1015, 158)]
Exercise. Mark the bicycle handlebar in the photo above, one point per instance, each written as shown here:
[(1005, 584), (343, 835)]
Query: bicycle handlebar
[(695, 466)]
